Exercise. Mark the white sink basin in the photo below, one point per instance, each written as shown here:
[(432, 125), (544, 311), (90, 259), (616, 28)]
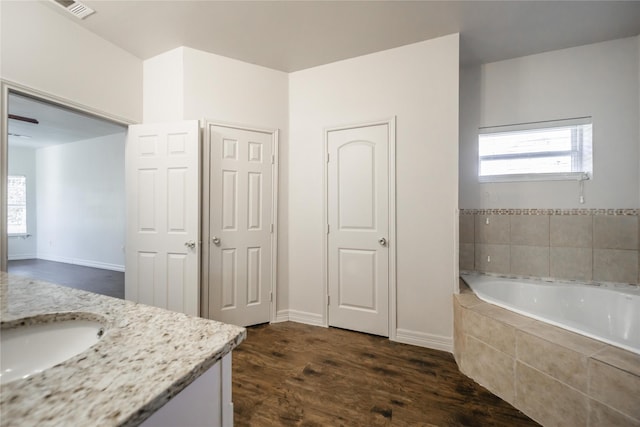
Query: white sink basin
[(29, 349)]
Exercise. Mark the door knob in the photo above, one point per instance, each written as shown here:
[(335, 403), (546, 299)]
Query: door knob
[(382, 241), (190, 244), (215, 240)]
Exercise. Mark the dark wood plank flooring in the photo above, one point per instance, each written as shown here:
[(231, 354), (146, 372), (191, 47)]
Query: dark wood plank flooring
[(290, 374), (100, 281)]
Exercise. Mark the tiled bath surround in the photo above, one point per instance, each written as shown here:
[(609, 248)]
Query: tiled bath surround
[(601, 245), (554, 376)]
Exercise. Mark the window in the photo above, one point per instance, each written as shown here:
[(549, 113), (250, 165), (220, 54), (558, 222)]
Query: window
[(17, 205), (536, 151)]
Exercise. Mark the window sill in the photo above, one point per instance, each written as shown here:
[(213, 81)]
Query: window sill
[(23, 235), (568, 176)]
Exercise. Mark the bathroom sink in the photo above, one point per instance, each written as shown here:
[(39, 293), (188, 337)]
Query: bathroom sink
[(28, 349)]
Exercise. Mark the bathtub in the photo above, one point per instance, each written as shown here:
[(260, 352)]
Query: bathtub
[(607, 313)]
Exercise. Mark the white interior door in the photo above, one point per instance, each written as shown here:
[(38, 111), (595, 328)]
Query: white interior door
[(241, 221), (163, 215), (358, 234)]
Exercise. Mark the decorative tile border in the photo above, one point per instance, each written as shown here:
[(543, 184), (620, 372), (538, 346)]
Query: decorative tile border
[(501, 211)]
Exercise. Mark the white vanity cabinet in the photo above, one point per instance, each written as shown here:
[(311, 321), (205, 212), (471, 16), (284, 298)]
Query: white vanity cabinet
[(205, 402)]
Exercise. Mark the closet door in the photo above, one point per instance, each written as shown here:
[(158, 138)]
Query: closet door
[(358, 228), (241, 224)]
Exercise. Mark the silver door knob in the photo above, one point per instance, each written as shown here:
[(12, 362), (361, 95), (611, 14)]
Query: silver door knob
[(215, 240), (190, 244), (382, 241)]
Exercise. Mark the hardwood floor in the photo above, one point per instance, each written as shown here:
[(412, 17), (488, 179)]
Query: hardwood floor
[(105, 282), (290, 374)]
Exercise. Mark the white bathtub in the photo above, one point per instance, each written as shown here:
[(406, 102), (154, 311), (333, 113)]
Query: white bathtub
[(604, 313)]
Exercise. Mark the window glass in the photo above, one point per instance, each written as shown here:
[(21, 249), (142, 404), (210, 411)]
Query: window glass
[(559, 150), (17, 205)]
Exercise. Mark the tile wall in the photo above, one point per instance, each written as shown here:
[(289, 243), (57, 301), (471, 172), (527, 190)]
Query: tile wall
[(591, 245)]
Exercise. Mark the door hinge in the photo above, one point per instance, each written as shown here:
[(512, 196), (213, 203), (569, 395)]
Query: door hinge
[(328, 300), (271, 228), (328, 228), (273, 159), (271, 296), (327, 157)]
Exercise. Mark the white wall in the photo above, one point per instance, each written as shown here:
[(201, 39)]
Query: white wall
[(22, 161), (208, 86), (417, 83), (224, 89), (599, 80), (46, 51), (163, 87), (81, 202)]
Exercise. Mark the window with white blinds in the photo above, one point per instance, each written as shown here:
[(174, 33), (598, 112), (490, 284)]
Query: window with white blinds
[(17, 205), (555, 150)]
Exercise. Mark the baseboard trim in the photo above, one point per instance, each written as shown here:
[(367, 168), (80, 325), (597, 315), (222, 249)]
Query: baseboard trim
[(82, 262), (19, 257), (304, 317), (436, 342), (281, 316)]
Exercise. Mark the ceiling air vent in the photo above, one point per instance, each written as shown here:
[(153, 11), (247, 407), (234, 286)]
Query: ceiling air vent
[(75, 8)]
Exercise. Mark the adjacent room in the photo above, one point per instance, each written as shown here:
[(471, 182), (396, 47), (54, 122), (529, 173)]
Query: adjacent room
[(320, 213), (66, 197)]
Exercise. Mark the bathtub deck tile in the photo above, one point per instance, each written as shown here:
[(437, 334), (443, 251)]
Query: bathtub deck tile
[(503, 315), (497, 334), (491, 368), (562, 337), (620, 359), (468, 300), (563, 364), (614, 387), (603, 415), (458, 332), (547, 400)]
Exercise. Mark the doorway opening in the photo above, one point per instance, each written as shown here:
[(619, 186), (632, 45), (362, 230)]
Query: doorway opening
[(63, 193)]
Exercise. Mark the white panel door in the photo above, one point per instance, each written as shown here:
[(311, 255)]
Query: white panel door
[(358, 216), (240, 224), (163, 215)]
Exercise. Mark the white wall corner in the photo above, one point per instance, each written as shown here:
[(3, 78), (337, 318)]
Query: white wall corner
[(421, 339), (304, 317), (281, 316)]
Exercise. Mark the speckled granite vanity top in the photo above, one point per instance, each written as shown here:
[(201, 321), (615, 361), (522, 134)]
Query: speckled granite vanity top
[(146, 356)]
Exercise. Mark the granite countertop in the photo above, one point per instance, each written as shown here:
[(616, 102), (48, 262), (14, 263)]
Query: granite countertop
[(146, 356)]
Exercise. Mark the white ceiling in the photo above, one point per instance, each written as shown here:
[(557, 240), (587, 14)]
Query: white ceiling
[(56, 125), (293, 35)]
